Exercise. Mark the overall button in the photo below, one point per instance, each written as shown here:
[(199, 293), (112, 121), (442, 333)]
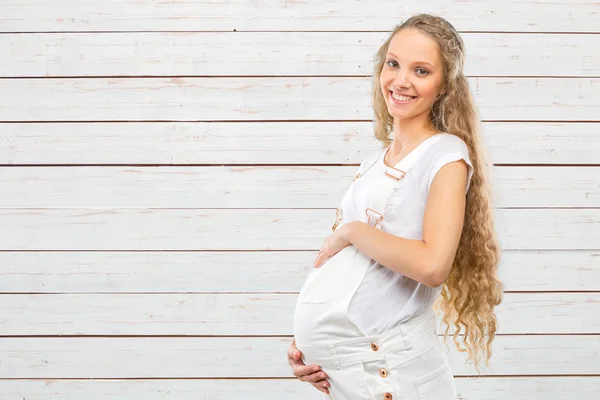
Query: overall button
[(388, 396), (374, 346), (383, 372)]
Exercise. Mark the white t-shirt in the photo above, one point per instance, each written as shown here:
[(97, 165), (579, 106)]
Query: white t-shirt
[(386, 298)]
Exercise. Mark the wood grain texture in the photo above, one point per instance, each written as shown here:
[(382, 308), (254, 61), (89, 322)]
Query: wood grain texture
[(258, 357), (250, 314), (255, 229), (285, 143), (273, 15), (169, 169), (489, 388), (278, 53), (260, 187), (249, 272), (276, 98)]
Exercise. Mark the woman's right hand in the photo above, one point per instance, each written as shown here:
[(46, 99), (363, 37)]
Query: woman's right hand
[(307, 373)]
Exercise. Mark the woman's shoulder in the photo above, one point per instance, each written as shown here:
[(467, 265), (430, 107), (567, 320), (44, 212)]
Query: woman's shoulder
[(446, 145), (449, 140), (448, 149)]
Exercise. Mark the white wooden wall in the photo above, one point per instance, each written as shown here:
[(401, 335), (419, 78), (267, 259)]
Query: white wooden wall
[(169, 170)]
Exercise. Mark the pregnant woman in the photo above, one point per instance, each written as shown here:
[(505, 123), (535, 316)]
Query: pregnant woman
[(414, 233)]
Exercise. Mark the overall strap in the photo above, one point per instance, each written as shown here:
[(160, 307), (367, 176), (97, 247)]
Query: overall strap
[(362, 169), (382, 193)]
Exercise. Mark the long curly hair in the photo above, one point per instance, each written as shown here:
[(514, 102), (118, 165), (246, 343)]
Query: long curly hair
[(472, 289)]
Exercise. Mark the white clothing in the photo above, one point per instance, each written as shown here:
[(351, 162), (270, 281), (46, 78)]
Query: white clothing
[(323, 306), (408, 362), (386, 298), (405, 361)]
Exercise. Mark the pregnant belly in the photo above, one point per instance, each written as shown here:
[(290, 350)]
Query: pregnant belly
[(321, 308)]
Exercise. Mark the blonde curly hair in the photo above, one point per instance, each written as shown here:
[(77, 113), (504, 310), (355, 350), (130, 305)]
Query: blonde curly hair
[(472, 289)]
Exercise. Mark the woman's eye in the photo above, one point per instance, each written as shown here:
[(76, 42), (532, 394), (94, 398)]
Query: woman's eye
[(392, 61), (425, 72)]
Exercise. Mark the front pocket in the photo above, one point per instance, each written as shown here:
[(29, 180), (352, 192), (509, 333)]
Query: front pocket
[(433, 374), (437, 384), (311, 292), (322, 284), (423, 370)]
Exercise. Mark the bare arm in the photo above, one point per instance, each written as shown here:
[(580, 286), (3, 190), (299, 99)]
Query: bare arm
[(429, 260)]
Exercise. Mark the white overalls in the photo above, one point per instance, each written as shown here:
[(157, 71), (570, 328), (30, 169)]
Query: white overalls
[(407, 362)]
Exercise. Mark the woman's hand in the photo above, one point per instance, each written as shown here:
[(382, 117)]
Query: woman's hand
[(333, 244), (307, 373)]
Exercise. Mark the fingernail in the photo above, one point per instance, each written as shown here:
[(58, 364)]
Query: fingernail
[(315, 368)]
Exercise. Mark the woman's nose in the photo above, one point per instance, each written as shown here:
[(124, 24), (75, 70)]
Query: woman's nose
[(402, 79)]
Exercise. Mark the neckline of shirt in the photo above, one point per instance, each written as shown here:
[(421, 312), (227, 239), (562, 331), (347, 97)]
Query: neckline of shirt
[(382, 157)]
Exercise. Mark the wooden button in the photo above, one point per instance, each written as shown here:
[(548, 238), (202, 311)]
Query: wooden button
[(388, 396), (383, 372), (374, 346)]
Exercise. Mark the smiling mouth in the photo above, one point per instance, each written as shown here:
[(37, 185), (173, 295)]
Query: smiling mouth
[(401, 99)]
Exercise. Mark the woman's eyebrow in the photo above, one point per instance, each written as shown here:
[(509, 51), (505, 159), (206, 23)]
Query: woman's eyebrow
[(416, 62)]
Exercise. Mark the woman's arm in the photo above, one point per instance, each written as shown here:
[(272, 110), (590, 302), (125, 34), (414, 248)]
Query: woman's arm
[(429, 260)]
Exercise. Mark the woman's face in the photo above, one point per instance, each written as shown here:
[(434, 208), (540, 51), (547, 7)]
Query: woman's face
[(413, 68)]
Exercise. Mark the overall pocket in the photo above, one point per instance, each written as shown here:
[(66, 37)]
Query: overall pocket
[(424, 370), (438, 384), (328, 280)]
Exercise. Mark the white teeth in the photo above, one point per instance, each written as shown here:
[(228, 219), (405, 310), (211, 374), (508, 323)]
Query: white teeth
[(401, 98)]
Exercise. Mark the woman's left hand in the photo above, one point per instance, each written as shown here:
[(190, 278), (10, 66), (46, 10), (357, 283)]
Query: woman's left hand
[(333, 244)]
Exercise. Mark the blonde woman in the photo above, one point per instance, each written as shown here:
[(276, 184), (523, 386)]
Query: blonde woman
[(414, 227)]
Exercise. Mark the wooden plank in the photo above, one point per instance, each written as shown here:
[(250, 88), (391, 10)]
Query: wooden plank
[(489, 388), (322, 53), (257, 357), (249, 314), (261, 187), (272, 15), (276, 98), (546, 234), (269, 143), (535, 270), (546, 186), (257, 272), (528, 388), (255, 229), (541, 143)]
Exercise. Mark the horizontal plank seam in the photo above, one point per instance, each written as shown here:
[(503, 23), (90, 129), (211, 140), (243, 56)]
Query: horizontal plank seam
[(278, 121), (16, 77), (272, 208), (93, 336), (292, 31), (243, 208), (285, 377), (291, 293), (221, 165), (245, 121), (234, 250)]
